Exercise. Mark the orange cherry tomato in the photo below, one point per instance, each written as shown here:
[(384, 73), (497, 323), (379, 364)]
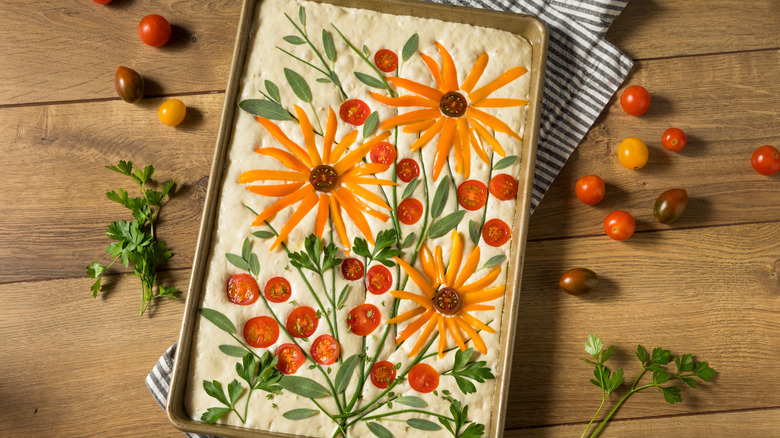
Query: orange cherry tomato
[(766, 160), (496, 232), (633, 153), (407, 170), (503, 187), (354, 111), (363, 319), (261, 332), (277, 290), (129, 84), (242, 289), (325, 350), (172, 112), (410, 211), (352, 269), (154, 30), (379, 279), (382, 374), (590, 189), (386, 60), (383, 153), (290, 358), (472, 194), (302, 322), (674, 139), (423, 378), (619, 225), (635, 100)]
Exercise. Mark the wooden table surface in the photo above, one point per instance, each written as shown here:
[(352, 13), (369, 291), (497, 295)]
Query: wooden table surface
[(72, 365)]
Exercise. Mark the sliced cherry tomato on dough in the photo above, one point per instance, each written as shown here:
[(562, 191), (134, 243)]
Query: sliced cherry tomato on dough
[(352, 269), (619, 225), (302, 322), (766, 160), (410, 211), (383, 153), (407, 170), (154, 30), (242, 289), (261, 332), (354, 111), (363, 319), (496, 232), (290, 358), (423, 378), (382, 374), (590, 189), (503, 187), (277, 290), (472, 194), (325, 350), (386, 60), (635, 100), (379, 279), (674, 139)]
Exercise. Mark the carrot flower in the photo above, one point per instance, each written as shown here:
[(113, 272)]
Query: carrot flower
[(330, 181)]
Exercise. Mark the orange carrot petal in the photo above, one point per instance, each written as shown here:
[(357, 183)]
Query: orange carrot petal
[(416, 277), (419, 299), (307, 204), (367, 169), (475, 338), (347, 203), (478, 147), (280, 136), (484, 295), (428, 265), (406, 315), (442, 338), (425, 335), (478, 307), (345, 142), (499, 103), (286, 158), (330, 134), (481, 283), (363, 180), (411, 117), (404, 101), (491, 121), (429, 134), (358, 154), (456, 256), (414, 87), (507, 77), (455, 333), (475, 73), (474, 322), (456, 146), (468, 268), (488, 137), (367, 195), (439, 260), (275, 190), (449, 73), (362, 206), (322, 215), (414, 326), (338, 223), (251, 176), (434, 69), (419, 126), (443, 147), (308, 136), (282, 203)]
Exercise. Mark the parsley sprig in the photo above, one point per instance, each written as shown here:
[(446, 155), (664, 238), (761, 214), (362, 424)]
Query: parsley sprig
[(463, 370), (382, 253), (687, 372), (316, 257), (135, 241)]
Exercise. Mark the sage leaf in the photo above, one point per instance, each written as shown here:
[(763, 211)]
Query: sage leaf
[(369, 80), (440, 197), (302, 15), (263, 234), (323, 80), (265, 108), (409, 241), (300, 414), (379, 430), (273, 91), (327, 43), (422, 424), (474, 232), (410, 400), (410, 188), (298, 85), (446, 224), (237, 261), (410, 47), (254, 264), (343, 296), (294, 39), (366, 51), (218, 319), (494, 261), (303, 386), (232, 350), (370, 124), (246, 250), (345, 372), (505, 162)]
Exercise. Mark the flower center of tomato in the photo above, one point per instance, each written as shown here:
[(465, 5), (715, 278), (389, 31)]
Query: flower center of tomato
[(447, 301), (453, 104), (324, 178)]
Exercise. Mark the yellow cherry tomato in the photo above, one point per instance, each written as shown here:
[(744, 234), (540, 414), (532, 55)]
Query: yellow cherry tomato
[(633, 153), (172, 112)]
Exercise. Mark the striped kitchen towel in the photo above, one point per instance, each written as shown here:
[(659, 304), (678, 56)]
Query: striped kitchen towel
[(583, 72)]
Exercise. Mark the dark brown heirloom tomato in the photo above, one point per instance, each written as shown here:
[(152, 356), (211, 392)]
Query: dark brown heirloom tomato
[(579, 281), (670, 205), (129, 84)]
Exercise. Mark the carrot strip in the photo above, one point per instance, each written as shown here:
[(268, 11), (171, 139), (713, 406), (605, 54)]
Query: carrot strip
[(282, 203), (478, 147), (449, 72), (466, 151), (354, 213), (499, 103), (488, 137), (367, 169), (505, 78), (345, 142), (474, 322), (491, 121), (369, 181), (457, 146), (456, 256), (419, 299), (367, 208), (286, 158), (411, 117), (322, 215), (251, 176), (280, 136), (306, 205), (455, 333), (475, 73), (428, 265), (482, 282), (424, 335), (406, 315), (275, 190), (434, 68), (439, 260), (358, 154), (308, 136), (468, 268), (414, 87), (338, 223), (442, 338), (478, 307), (404, 101), (416, 277), (418, 126), (429, 134), (367, 195), (443, 147), (330, 134), (484, 295), (475, 337), (414, 326)]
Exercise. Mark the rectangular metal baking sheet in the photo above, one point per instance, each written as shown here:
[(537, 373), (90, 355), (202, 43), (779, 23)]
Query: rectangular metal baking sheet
[(528, 27)]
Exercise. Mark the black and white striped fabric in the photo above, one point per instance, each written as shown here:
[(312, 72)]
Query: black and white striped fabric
[(583, 72)]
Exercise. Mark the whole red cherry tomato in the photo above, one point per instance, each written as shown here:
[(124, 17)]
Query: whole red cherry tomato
[(102, 2), (766, 160), (354, 111), (674, 139), (154, 30), (619, 225), (129, 84), (635, 100), (579, 281), (590, 189)]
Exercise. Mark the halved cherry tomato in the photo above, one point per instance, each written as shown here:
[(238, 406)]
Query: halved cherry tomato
[(261, 331), (290, 358), (386, 60), (379, 279), (635, 100), (633, 153), (423, 378), (670, 205), (407, 170), (496, 232), (129, 84), (590, 189), (382, 374), (579, 281), (172, 112), (325, 350), (242, 289), (383, 153), (352, 269), (503, 187), (619, 225), (277, 290), (302, 322), (674, 139), (363, 319), (354, 111), (154, 30), (410, 211), (472, 194), (766, 160)]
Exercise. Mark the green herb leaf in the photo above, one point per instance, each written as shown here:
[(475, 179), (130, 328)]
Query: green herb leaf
[(246, 250), (606, 354), (672, 394), (300, 413), (440, 197), (95, 288), (343, 296), (323, 80), (234, 391), (124, 167), (409, 241), (474, 232), (410, 47), (303, 386), (214, 389), (360, 248), (298, 85), (302, 15), (593, 346), (660, 356), (254, 265), (273, 91), (265, 108), (684, 362), (327, 44), (366, 51), (263, 234), (238, 261), (370, 124), (641, 354), (495, 261), (690, 381), (369, 80), (615, 380), (409, 190), (422, 424), (505, 162), (474, 430), (294, 39), (167, 292), (703, 371), (379, 430), (410, 400), (345, 373), (446, 224), (218, 319), (213, 414), (232, 350), (95, 269)]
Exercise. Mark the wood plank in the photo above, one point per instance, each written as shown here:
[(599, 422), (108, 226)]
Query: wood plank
[(54, 205), (713, 292), (762, 423), (734, 91), (663, 28)]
